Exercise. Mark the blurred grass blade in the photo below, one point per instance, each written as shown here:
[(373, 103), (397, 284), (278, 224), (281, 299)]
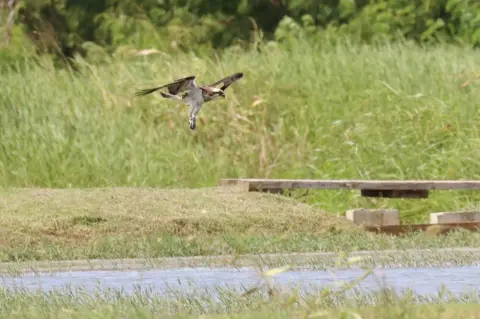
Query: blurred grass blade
[(276, 271)]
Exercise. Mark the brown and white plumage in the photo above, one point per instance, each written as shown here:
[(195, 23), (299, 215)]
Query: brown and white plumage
[(228, 80), (175, 87), (187, 91)]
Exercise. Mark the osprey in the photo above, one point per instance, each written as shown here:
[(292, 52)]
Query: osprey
[(192, 94)]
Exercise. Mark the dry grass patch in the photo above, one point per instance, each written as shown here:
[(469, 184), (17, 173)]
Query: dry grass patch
[(82, 215), (104, 223)]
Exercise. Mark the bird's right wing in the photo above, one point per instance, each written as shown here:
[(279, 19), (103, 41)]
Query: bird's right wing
[(174, 88), (228, 80)]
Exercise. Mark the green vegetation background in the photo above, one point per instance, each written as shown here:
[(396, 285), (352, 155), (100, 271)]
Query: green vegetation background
[(332, 89), (71, 27)]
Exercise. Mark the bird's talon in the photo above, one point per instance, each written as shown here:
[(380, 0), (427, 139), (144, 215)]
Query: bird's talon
[(192, 124)]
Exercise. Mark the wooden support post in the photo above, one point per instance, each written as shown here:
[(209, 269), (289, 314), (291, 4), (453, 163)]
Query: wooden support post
[(454, 217), (394, 193)]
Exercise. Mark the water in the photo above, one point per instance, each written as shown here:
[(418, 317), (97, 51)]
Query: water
[(420, 280)]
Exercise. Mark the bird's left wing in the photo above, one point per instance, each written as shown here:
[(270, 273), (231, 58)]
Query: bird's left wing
[(174, 88)]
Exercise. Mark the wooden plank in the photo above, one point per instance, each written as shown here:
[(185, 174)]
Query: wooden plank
[(258, 184), (436, 229)]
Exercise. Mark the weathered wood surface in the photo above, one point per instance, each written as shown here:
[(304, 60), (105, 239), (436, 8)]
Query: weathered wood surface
[(433, 229), (253, 184)]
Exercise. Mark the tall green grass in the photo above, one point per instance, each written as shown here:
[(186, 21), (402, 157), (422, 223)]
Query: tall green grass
[(322, 302), (395, 111)]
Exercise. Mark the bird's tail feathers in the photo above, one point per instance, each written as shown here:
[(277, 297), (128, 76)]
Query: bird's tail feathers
[(146, 91)]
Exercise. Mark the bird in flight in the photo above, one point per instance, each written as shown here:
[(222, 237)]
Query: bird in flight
[(187, 91)]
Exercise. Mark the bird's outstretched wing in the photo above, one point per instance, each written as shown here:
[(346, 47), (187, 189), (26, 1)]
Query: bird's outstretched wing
[(174, 88), (227, 81)]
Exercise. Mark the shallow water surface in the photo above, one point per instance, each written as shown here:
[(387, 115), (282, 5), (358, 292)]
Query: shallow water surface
[(420, 280)]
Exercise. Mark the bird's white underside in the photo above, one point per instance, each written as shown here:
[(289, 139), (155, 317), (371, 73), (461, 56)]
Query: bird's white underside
[(194, 99)]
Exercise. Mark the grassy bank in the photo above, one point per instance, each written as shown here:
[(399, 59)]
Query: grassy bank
[(389, 112), (62, 224), (78, 303)]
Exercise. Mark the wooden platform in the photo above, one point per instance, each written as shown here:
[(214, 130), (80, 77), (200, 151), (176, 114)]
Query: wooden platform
[(369, 188)]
